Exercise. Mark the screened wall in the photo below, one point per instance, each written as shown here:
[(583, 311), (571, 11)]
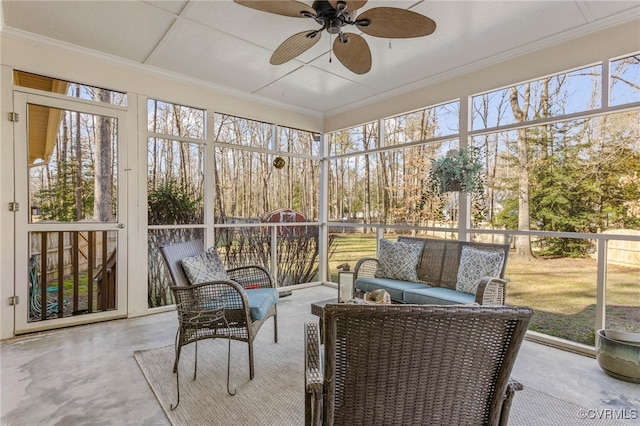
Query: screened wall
[(560, 157)]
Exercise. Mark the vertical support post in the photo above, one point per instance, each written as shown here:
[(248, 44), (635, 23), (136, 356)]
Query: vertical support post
[(323, 231), (210, 184), (75, 265), (601, 282), (61, 267), (606, 67), (379, 236), (464, 199), (91, 255), (601, 277), (274, 253), (381, 143), (274, 145), (104, 282), (43, 276)]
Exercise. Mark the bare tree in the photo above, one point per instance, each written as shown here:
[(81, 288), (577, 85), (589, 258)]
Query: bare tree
[(103, 208), (367, 182), (523, 242)]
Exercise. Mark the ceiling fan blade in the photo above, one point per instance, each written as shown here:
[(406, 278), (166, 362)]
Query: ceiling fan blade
[(291, 8), (392, 22), (354, 54), (294, 46), (347, 5)]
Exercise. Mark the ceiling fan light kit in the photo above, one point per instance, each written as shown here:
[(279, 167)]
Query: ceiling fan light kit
[(350, 48)]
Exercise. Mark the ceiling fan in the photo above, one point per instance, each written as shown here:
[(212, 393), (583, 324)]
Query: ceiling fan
[(350, 48)]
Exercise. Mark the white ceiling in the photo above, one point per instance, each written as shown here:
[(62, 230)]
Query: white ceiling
[(228, 46)]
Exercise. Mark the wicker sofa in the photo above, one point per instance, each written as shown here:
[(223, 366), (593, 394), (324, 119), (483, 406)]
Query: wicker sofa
[(439, 274)]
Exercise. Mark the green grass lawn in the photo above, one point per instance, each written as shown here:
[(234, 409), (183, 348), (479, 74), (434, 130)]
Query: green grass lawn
[(68, 294), (350, 248), (561, 291)]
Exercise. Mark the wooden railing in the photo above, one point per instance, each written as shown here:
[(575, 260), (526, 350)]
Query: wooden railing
[(71, 273)]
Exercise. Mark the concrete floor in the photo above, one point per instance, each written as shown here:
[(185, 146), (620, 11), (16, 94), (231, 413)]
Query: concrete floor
[(87, 375)]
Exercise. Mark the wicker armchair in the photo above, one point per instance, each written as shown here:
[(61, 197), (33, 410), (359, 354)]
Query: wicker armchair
[(413, 364), (246, 288)]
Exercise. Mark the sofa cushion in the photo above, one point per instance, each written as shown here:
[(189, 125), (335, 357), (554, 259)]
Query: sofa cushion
[(398, 261), (437, 296), (204, 267), (395, 288), (474, 265)]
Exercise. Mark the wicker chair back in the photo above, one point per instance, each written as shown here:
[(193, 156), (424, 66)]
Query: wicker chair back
[(416, 364)]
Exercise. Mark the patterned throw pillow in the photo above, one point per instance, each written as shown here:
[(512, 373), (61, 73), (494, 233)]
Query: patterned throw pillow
[(476, 264), (398, 261), (204, 267)]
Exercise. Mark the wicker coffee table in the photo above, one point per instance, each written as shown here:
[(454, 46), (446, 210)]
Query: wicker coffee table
[(317, 308)]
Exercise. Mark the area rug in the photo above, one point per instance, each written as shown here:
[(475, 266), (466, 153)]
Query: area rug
[(275, 397)]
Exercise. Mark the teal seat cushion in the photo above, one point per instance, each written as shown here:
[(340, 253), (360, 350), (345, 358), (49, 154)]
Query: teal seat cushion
[(261, 300), (395, 288), (437, 296)]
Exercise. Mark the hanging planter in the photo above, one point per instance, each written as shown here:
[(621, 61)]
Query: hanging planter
[(457, 171), (279, 162)]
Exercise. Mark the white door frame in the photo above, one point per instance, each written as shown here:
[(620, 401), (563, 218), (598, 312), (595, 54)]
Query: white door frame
[(21, 217)]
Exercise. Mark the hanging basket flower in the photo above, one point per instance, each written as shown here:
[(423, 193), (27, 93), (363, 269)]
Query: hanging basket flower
[(457, 171)]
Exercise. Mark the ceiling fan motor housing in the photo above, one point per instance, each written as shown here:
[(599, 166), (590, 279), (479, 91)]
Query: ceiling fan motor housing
[(331, 18), (323, 9)]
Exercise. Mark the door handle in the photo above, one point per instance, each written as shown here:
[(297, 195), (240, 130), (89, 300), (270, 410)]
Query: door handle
[(121, 225)]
